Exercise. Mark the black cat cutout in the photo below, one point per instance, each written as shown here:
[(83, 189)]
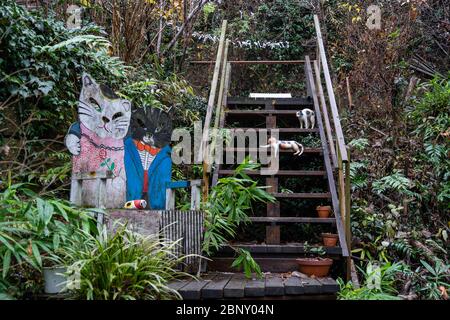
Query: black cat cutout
[(147, 160)]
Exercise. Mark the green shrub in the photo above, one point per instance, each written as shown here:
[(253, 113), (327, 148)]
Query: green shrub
[(32, 231), (121, 266)]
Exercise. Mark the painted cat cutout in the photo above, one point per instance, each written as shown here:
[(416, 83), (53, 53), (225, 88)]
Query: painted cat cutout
[(147, 156), (96, 141)]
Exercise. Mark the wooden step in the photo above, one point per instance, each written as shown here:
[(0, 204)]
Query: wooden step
[(295, 101), (301, 173), (261, 112), (246, 149), (291, 220), (289, 248), (281, 130), (236, 285), (305, 195), (281, 263)]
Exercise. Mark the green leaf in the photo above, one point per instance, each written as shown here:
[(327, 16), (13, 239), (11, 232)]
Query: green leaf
[(36, 254), (6, 263)]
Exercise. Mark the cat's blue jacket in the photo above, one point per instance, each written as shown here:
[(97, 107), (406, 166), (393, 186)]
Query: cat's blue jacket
[(159, 173)]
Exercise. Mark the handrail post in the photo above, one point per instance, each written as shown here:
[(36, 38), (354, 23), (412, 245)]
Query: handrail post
[(341, 184), (348, 228)]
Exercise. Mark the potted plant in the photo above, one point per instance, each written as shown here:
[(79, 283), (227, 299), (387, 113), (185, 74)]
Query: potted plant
[(54, 275), (314, 265), (323, 211), (329, 239)]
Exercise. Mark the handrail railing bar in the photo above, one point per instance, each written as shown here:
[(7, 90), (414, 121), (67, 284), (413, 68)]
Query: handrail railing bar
[(251, 62), (215, 177), (219, 106), (331, 97), (203, 152), (325, 114), (326, 156), (212, 94)]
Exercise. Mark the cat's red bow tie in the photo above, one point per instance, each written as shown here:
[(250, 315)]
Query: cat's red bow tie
[(142, 146)]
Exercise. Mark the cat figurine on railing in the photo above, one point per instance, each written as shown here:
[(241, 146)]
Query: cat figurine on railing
[(96, 140)]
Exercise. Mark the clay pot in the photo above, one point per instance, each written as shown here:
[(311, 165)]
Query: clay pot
[(319, 267), (329, 239), (323, 211)]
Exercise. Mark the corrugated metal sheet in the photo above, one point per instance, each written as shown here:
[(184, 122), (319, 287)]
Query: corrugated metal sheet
[(187, 227)]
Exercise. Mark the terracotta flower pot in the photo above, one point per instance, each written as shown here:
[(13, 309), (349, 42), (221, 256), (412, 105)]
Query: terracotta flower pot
[(323, 211), (319, 267), (329, 239)]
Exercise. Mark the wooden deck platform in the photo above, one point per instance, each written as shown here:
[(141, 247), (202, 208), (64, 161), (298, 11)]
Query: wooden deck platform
[(272, 285)]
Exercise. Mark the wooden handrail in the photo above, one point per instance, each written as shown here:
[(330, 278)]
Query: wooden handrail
[(203, 152), (251, 61), (325, 114), (329, 170), (334, 111)]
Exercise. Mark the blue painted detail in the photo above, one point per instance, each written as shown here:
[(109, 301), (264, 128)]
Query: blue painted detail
[(75, 129), (159, 174), (178, 184)]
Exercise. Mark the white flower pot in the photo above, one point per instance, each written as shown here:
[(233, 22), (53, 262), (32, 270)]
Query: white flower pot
[(54, 279)]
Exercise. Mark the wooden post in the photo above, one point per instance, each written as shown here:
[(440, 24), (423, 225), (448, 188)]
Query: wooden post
[(203, 154), (170, 199), (101, 197), (341, 184), (76, 187), (219, 107), (195, 194), (349, 94), (348, 228)]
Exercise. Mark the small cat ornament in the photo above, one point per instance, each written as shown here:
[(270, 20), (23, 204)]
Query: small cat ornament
[(96, 141)]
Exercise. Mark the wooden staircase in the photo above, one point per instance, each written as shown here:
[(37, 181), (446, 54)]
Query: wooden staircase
[(273, 254), (290, 222)]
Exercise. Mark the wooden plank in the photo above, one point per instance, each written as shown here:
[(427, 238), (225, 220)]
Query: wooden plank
[(219, 106), (203, 152), (215, 177), (292, 220), (235, 287), (257, 95), (329, 85), (260, 112), (293, 286), (281, 248), (252, 62), (178, 284), (281, 130), (93, 175), (255, 288), (326, 157), (223, 264), (304, 195), (348, 228), (214, 289), (274, 285), (246, 149), (329, 285), (296, 101), (193, 289), (312, 286), (319, 173)]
